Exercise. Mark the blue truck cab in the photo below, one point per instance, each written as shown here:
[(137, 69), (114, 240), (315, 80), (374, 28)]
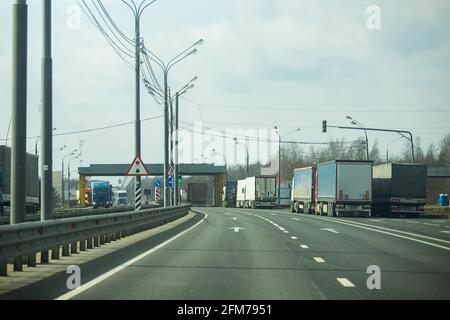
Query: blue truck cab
[(101, 194)]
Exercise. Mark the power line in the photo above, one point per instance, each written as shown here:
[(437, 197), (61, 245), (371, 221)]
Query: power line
[(95, 129), (299, 109)]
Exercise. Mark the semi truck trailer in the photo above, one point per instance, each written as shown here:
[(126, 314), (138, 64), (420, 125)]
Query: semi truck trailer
[(303, 190), (197, 193), (344, 188), (31, 180), (256, 192), (399, 189), (229, 194), (101, 194)]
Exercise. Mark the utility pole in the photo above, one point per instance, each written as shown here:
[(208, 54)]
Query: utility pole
[(175, 169), (166, 140), (46, 114), (137, 97), (19, 116)]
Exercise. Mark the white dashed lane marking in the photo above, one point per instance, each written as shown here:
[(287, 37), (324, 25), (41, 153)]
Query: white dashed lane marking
[(304, 246), (294, 238), (319, 259), (345, 282)]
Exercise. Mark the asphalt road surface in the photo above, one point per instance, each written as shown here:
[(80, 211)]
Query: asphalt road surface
[(273, 254)]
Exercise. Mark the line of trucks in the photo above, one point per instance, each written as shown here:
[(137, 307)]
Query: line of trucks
[(340, 188), (357, 188)]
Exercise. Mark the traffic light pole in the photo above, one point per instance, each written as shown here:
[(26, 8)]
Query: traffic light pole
[(380, 130)]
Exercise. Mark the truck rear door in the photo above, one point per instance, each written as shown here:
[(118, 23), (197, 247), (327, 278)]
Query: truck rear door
[(354, 181)]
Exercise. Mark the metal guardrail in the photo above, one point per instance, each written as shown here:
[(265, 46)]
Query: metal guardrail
[(27, 239), (75, 212)]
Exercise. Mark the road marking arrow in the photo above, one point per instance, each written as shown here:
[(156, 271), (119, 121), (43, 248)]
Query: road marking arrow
[(329, 229), (236, 229)]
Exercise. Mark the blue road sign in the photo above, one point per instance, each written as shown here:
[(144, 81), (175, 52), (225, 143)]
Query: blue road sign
[(157, 183), (170, 181)]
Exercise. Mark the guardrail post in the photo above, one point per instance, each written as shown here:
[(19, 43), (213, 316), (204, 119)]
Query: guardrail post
[(3, 268), (32, 260), (45, 257), (18, 263), (74, 247), (83, 245), (65, 252), (96, 241), (90, 243), (55, 253), (102, 239)]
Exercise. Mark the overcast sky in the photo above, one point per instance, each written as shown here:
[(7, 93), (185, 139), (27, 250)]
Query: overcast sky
[(289, 63)]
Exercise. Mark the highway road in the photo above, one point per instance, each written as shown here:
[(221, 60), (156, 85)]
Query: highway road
[(226, 253)]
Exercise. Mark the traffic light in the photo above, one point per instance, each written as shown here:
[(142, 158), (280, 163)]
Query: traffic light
[(324, 126), (179, 180)]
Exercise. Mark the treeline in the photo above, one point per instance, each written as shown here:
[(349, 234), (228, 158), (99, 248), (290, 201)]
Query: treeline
[(297, 156)]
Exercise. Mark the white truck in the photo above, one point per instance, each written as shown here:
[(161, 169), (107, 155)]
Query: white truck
[(256, 192), (344, 188)]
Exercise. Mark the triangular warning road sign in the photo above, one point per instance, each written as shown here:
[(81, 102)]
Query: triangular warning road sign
[(137, 168)]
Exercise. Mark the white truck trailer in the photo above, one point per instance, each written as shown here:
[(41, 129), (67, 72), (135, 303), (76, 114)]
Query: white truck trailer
[(344, 188), (303, 187), (256, 192)]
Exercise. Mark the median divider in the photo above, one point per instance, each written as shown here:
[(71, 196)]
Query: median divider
[(76, 212), (23, 241)]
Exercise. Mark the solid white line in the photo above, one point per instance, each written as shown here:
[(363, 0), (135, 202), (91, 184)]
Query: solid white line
[(390, 233), (319, 259), (415, 222), (296, 219), (389, 229), (431, 224), (281, 228), (304, 246), (294, 238), (345, 282), (117, 269), (445, 231)]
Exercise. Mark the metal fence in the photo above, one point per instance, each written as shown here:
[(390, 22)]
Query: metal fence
[(25, 240)]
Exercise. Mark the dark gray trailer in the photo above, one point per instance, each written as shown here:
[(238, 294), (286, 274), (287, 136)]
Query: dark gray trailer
[(399, 189), (303, 189), (32, 180), (344, 188)]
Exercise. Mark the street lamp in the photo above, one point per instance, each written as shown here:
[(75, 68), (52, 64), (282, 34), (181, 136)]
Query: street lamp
[(68, 177), (279, 159), (246, 151), (36, 143), (387, 148), (137, 11), (166, 67), (179, 93), (62, 175), (358, 124)]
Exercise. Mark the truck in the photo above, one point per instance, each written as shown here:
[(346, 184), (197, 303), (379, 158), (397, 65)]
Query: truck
[(101, 194), (197, 193), (229, 194), (399, 189), (32, 184), (259, 191), (240, 193), (303, 190), (121, 197), (344, 188)]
